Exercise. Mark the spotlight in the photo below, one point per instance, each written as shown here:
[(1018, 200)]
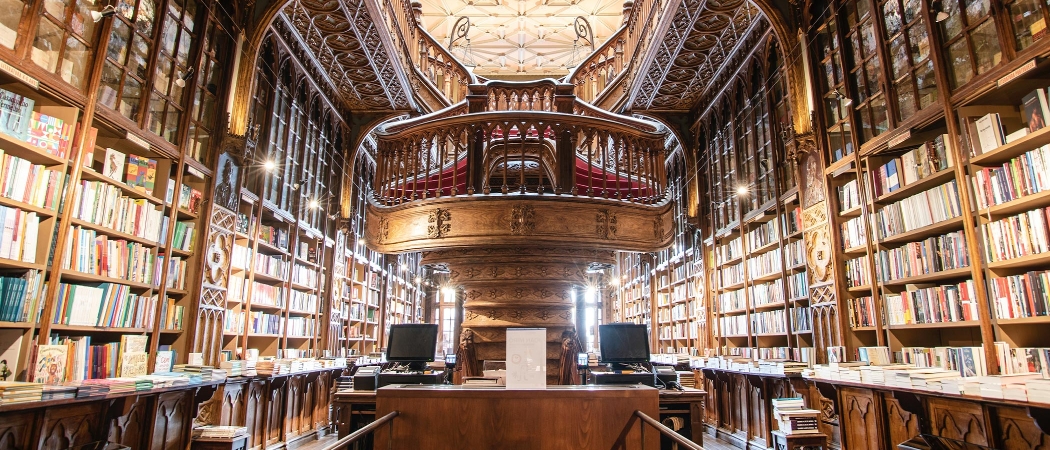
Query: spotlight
[(104, 12), (181, 81), (361, 241), (269, 165), (404, 266), (419, 280), (941, 15), (314, 204), (742, 190)]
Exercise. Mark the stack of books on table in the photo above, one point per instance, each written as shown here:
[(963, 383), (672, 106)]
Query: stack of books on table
[(849, 374), (781, 367), (19, 392), (207, 373), (964, 386), (686, 379), (332, 362), (793, 418), (877, 374), (89, 389), (344, 383), (234, 368), (58, 392), (163, 380), (219, 432), (931, 379), (190, 377), (1011, 387), (1038, 390)]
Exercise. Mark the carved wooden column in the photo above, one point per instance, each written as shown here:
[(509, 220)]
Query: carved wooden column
[(816, 228)]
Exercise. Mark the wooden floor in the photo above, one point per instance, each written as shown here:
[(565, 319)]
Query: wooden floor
[(710, 443)]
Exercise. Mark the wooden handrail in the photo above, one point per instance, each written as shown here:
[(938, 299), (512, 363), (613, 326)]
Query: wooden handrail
[(353, 437), (671, 434)]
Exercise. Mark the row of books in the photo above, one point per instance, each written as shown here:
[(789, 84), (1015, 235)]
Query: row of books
[(773, 353), (938, 304), (853, 233), (35, 184), (76, 359), (190, 199), (274, 266), (233, 322), (275, 237), (240, 257), (107, 305), (762, 235), (1016, 236), (18, 238), (105, 205), (264, 294), (849, 195), (967, 361), (732, 275), (301, 326), (174, 316), (929, 158), (1022, 295), (1013, 360), (923, 209), (797, 285), (235, 288), (733, 325), (801, 319), (857, 272), (1021, 176), (20, 296), (729, 251), (679, 312), (795, 253), (768, 322), (766, 293), (185, 236), (139, 173), (89, 252), (765, 264), (304, 276), (264, 323), (302, 301), (861, 311), (930, 255), (176, 272), (732, 300), (792, 220)]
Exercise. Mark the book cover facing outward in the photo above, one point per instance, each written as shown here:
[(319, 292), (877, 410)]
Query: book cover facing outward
[(51, 364)]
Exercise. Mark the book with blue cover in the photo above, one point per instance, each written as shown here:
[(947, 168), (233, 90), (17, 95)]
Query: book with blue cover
[(15, 113)]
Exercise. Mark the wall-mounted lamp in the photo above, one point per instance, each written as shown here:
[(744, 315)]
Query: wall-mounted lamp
[(109, 10), (181, 81)]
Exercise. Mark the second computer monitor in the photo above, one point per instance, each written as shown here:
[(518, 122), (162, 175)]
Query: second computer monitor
[(623, 343)]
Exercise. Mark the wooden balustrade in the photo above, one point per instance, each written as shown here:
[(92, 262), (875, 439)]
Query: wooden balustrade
[(542, 148)]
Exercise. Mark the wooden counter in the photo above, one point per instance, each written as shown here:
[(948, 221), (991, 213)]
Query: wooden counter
[(559, 417), (353, 409)]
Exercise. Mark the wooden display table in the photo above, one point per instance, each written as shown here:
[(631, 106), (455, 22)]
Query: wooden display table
[(803, 441)]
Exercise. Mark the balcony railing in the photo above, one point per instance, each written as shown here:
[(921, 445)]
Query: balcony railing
[(524, 138)]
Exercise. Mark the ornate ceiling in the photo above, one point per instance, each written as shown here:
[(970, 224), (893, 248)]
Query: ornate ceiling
[(350, 58), (522, 37), (702, 47)]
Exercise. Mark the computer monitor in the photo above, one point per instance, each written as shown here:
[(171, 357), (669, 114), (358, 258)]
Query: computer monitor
[(413, 343), (624, 343)]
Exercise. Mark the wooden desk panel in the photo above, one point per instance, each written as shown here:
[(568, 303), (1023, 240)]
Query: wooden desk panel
[(570, 418)]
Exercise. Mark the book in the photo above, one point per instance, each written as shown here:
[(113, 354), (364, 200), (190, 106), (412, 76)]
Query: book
[(50, 365), (184, 197), (113, 164), (1035, 109), (132, 172), (196, 200), (133, 364), (989, 133), (165, 361), (15, 113)]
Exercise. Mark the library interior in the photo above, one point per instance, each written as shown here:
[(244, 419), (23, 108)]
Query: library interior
[(524, 224)]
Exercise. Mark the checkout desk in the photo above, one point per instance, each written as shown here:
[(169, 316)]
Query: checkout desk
[(558, 417)]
